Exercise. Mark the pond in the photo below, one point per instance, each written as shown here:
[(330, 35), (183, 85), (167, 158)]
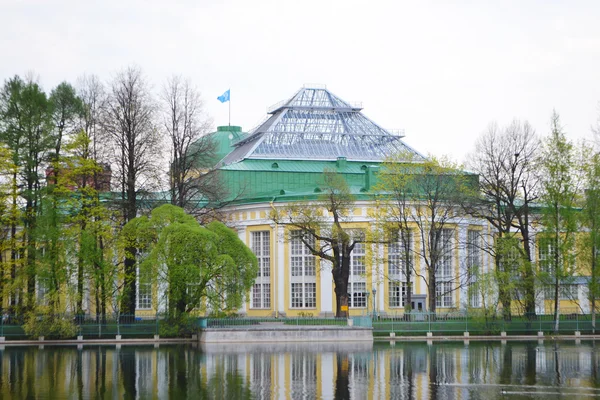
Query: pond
[(402, 370)]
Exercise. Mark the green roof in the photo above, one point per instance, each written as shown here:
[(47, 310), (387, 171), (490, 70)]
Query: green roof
[(298, 166)]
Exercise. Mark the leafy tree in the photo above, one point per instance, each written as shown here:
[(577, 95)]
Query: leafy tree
[(65, 108), (8, 213), (591, 223), (320, 227), (200, 266), (90, 222), (27, 133), (561, 184), (426, 197)]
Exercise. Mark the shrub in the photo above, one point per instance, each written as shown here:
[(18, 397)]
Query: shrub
[(50, 326), (183, 325)]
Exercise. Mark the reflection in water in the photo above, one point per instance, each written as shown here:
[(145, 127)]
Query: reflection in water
[(445, 370)]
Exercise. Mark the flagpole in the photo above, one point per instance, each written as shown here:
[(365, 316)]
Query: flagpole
[(230, 108)]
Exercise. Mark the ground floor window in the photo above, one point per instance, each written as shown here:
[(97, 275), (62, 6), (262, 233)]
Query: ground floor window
[(565, 292), (358, 294), (304, 295), (144, 297), (443, 294), (397, 294), (261, 295), (474, 299)]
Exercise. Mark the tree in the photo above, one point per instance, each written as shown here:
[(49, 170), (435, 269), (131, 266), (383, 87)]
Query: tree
[(8, 213), (591, 223), (505, 160), (426, 197), (200, 266), (129, 122), (27, 133), (397, 217), (320, 227), (96, 234), (561, 183), (66, 108), (192, 181)]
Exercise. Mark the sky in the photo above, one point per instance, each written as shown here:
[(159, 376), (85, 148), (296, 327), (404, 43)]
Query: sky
[(440, 70)]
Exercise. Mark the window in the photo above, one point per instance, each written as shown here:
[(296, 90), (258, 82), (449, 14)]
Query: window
[(565, 292), (303, 278), (260, 243), (358, 295), (357, 283), (444, 274), (144, 288), (399, 253), (546, 255), (397, 293), (473, 263), (42, 291)]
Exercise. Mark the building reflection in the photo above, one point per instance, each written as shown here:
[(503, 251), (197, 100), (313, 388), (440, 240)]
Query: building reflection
[(448, 370)]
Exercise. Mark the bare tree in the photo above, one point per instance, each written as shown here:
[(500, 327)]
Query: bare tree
[(129, 122), (193, 182), (505, 160), (426, 197)]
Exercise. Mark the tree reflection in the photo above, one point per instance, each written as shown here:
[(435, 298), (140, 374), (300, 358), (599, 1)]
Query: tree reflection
[(342, 382)]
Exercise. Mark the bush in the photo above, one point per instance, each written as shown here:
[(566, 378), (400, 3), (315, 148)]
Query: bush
[(181, 326), (50, 327)]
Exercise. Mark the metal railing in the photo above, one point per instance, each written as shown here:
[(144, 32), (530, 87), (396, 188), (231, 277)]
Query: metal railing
[(406, 324), (420, 323)]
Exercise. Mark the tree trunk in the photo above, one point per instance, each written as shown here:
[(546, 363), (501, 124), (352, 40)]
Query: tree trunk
[(80, 273), (129, 286), (528, 274), (503, 292), (431, 291), (593, 287), (341, 274)]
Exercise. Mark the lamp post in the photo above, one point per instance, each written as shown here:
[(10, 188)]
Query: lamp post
[(374, 302)]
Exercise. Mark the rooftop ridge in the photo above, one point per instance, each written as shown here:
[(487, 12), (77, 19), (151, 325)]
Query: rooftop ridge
[(315, 124)]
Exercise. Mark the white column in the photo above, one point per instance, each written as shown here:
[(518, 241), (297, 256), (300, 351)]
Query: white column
[(326, 300), (462, 265), (242, 235), (280, 268)]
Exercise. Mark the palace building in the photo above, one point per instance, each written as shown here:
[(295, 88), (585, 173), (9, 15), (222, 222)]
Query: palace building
[(282, 161)]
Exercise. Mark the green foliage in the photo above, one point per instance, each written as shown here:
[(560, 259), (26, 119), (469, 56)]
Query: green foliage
[(203, 267), (49, 326), (319, 225), (425, 197), (561, 180), (182, 325)]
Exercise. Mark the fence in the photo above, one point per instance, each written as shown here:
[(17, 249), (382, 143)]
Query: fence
[(12, 327), (415, 324), (409, 324)]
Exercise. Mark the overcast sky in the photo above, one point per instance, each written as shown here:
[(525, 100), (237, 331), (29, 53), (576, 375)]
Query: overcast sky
[(440, 70)]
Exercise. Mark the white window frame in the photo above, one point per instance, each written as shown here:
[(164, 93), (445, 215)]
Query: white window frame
[(303, 273), (473, 266), (444, 294), (398, 285), (357, 281), (260, 243)]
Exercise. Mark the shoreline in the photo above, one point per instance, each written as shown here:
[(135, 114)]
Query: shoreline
[(378, 339)]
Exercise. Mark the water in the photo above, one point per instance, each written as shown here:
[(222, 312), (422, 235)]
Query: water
[(442, 370)]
